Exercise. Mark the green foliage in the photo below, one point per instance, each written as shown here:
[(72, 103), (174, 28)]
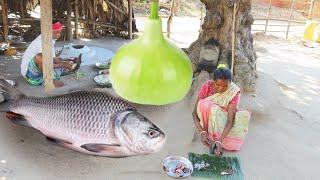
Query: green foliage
[(216, 166)]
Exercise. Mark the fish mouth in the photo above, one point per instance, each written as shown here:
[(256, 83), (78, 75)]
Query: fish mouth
[(158, 146)]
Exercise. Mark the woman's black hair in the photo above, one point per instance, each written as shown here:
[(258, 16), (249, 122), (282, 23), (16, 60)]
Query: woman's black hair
[(222, 73)]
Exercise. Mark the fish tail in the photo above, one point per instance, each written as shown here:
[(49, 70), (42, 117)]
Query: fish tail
[(7, 88)]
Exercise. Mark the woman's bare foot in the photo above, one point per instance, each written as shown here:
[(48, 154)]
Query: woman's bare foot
[(58, 83)]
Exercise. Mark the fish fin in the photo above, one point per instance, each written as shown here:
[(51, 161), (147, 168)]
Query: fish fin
[(4, 106), (7, 88), (18, 119), (100, 147), (59, 141)]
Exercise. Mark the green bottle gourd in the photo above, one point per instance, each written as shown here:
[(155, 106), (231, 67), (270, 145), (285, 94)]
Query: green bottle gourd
[(151, 70)]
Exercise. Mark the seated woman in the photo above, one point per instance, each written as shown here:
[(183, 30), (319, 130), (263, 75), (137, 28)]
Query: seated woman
[(216, 114), (31, 64), (34, 74)]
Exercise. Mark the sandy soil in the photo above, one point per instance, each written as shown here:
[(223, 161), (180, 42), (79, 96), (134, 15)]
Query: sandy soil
[(281, 143)]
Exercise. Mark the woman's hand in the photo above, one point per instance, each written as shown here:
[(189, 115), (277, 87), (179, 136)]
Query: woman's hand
[(218, 149), (66, 65), (205, 138)]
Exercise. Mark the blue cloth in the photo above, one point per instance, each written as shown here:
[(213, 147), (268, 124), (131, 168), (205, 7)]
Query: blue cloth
[(35, 75)]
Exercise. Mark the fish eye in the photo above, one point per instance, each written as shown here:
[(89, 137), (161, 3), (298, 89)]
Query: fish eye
[(152, 133)]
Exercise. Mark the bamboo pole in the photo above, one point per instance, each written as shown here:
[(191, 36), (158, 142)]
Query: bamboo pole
[(290, 17), (311, 9), (4, 7), (130, 18), (69, 26), (233, 35), (268, 16), (170, 19), (46, 31), (76, 16)]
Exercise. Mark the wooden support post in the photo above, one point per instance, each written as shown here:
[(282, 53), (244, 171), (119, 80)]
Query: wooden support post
[(170, 19), (177, 5), (23, 9), (290, 17), (76, 15), (268, 16), (46, 31), (69, 26), (4, 7), (130, 18), (233, 35), (311, 9)]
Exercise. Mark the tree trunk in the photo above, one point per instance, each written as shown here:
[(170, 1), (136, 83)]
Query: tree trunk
[(46, 31), (76, 16), (214, 45), (5, 23), (69, 26)]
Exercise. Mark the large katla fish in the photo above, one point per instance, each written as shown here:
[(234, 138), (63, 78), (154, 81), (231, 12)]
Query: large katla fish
[(89, 122)]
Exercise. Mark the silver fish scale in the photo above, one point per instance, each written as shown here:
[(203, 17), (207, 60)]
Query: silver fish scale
[(78, 115)]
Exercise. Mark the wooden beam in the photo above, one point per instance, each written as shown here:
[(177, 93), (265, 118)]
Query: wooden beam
[(97, 23), (116, 8), (27, 19), (46, 31), (268, 16), (290, 17), (170, 19), (130, 18), (76, 16), (103, 24), (69, 26), (284, 20), (4, 7), (311, 9)]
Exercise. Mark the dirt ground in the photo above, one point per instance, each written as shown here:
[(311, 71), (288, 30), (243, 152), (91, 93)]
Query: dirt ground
[(282, 142)]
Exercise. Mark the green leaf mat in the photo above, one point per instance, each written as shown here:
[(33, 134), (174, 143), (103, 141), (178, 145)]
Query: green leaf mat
[(216, 165)]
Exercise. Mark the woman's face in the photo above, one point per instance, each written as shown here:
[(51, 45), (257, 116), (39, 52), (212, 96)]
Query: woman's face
[(220, 85), (56, 34)]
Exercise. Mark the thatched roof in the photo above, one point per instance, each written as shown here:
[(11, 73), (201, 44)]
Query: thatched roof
[(109, 12)]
